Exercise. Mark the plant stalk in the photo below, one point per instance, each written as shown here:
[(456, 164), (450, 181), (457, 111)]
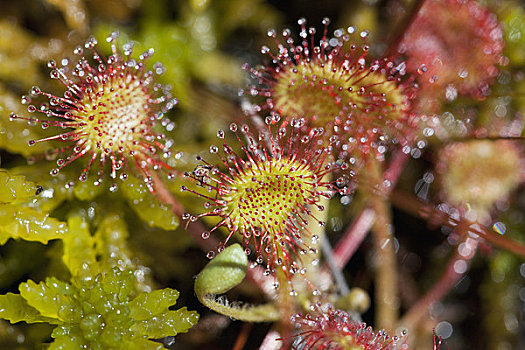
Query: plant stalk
[(386, 292)]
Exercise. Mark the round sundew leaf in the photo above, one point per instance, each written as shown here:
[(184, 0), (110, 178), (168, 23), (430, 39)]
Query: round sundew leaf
[(147, 305), (111, 110)]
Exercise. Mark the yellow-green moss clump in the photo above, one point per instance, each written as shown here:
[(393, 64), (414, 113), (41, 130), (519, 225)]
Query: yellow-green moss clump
[(17, 221)]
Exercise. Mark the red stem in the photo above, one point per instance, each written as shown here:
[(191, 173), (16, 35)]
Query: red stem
[(243, 336), (425, 210), (357, 232), (405, 25), (354, 235)]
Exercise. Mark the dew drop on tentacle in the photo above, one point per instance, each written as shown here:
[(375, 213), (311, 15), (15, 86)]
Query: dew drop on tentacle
[(94, 88)]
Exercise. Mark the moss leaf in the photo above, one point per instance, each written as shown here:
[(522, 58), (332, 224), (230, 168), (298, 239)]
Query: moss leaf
[(28, 224), (14, 308), (147, 305), (46, 297), (168, 323)]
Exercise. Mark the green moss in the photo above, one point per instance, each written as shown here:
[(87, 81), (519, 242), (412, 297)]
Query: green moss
[(101, 312), (147, 207), (20, 222)]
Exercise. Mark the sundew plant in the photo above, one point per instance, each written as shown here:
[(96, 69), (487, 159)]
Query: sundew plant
[(262, 174)]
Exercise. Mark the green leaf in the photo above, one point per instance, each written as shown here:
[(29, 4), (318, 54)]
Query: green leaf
[(111, 242), (147, 305), (28, 224), (14, 308), (79, 255), (224, 272), (67, 340), (119, 282), (46, 297), (14, 187), (166, 324), (54, 190), (136, 343), (87, 190), (147, 207)]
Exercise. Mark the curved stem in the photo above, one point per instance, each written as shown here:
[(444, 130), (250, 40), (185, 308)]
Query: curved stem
[(224, 272)]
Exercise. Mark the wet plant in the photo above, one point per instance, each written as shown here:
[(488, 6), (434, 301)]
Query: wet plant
[(268, 191), (112, 106), (392, 132)]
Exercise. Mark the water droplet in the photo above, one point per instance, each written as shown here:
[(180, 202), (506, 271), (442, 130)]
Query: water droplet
[(451, 93), (499, 227)]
